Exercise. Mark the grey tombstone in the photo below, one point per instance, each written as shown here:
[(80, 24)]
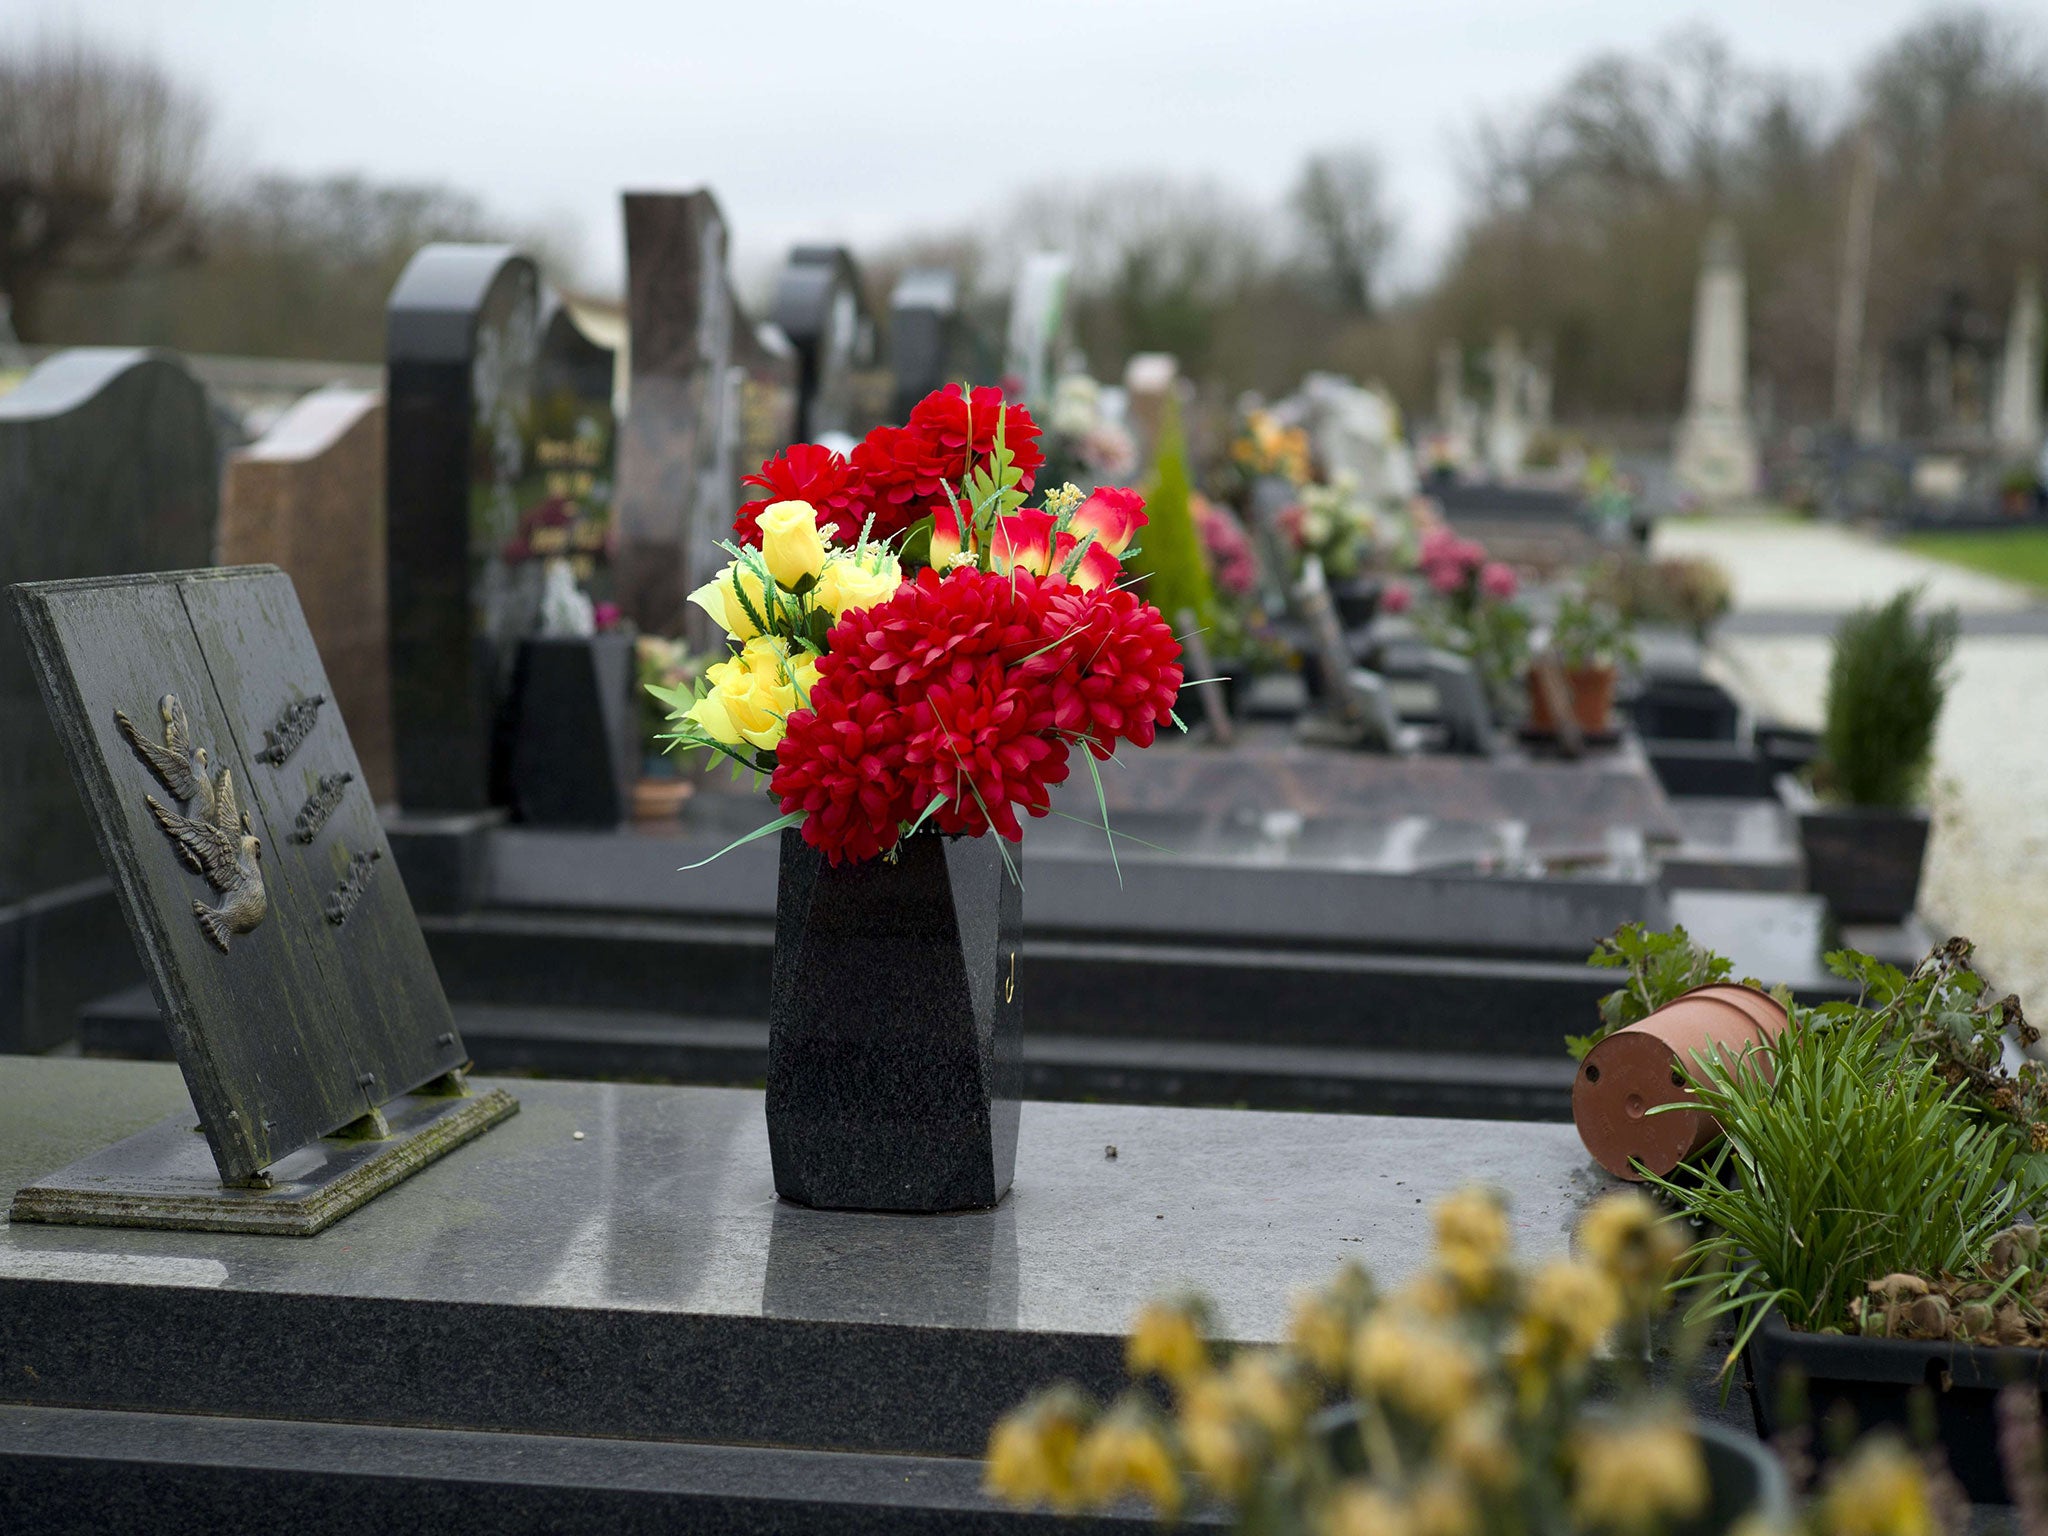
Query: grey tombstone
[(256, 881), (818, 306), (676, 478), (460, 351), (108, 464), (572, 437), (1461, 702), (923, 316), (1360, 711)]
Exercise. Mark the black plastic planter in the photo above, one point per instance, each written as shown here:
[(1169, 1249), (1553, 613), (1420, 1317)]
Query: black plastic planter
[(1875, 1380), (895, 1027), (1864, 859)]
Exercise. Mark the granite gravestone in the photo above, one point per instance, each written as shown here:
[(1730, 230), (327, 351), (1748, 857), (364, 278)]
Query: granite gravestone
[(762, 391), (923, 315), (1037, 337), (460, 352), (676, 480), (108, 463), (571, 436), (257, 884), (308, 496), (818, 305)]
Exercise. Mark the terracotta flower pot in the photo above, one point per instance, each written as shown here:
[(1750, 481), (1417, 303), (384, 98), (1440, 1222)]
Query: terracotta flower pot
[(1635, 1069), (660, 799), (1592, 701)]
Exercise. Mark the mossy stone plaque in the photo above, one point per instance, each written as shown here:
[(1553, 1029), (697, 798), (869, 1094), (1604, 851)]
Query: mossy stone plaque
[(248, 856)]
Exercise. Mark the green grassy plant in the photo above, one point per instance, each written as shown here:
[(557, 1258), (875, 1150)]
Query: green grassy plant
[(1886, 685)]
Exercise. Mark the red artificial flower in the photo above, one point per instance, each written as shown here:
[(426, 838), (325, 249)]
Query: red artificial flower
[(943, 418), (1098, 567), (1022, 541), (904, 469), (806, 472), (1119, 667), (1114, 514), (841, 764)]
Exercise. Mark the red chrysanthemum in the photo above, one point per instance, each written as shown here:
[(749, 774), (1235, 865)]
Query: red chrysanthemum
[(841, 764), (903, 469), (806, 472), (982, 743), (1119, 666)]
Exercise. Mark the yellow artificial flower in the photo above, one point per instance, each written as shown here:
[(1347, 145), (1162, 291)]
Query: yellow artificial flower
[(727, 597), (1637, 1476), (1472, 1241), (1568, 1308), (1031, 1455), (1320, 1333), (1881, 1491), (1359, 1509), (1414, 1366), (1442, 1506), (857, 581), (1259, 1383), (751, 696), (1213, 1438), (1166, 1340), (1124, 1453), (1478, 1445), (1635, 1244), (791, 544)]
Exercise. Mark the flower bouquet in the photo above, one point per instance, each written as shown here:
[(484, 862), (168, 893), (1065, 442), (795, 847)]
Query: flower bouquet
[(917, 654)]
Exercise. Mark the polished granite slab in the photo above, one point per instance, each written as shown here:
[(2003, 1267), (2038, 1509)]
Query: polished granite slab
[(642, 1279)]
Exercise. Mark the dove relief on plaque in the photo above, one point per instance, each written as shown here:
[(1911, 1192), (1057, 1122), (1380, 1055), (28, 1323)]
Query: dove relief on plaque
[(209, 830)]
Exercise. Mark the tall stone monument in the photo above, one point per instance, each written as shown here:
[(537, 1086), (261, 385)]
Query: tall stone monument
[(923, 315), (460, 346), (1038, 324), (818, 306), (308, 496), (2017, 429), (1717, 457), (1507, 427), (1456, 418), (676, 477)]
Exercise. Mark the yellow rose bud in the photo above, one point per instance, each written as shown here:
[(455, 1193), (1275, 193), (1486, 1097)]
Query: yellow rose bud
[(791, 543), (852, 581), (727, 598), (750, 697)]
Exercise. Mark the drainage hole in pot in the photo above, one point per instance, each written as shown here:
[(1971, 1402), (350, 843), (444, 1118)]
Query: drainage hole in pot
[(1938, 1378), (1677, 1078), (1592, 1073)]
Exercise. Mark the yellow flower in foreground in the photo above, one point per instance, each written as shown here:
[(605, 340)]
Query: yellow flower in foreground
[(1415, 1367), (1635, 1243), (1124, 1453), (1880, 1492), (791, 544), (1477, 1445), (1031, 1456), (727, 598), (751, 696), (857, 581), (1260, 1385), (1635, 1477), (1472, 1240), (1568, 1309), (1167, 1340), (1213, 1437), (1359, 1509), (1320, 1333), (1441, 1506)]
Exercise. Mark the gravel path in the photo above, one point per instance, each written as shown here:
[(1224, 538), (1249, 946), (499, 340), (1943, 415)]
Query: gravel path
[(1987, 866)]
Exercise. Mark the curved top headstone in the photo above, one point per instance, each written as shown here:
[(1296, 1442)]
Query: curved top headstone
[(108, 466), (461, 336), (818, 307), (922, 314)]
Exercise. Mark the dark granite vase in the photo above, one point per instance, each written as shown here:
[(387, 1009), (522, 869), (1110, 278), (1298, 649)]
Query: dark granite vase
[(895, 1028)]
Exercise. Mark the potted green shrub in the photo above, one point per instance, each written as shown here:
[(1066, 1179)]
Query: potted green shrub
[(1865, 838), (1591, 641)]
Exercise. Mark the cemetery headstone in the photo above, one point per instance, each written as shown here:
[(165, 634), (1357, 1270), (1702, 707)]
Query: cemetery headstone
[(818, 305), (1038, 324), (2019, 389), (253, 872), (572, 434), (763, 377), (676, 472), (1149, 377), (1507, 429), (460, 352), (923, 315), (108, 463), (308, 496), (1461, 702), (1717, 457)]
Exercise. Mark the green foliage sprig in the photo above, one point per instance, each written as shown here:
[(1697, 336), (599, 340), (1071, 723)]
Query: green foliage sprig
[(1662, 967), (1886, 686)]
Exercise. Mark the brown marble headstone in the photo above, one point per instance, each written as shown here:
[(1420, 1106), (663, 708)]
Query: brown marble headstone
[(308, 496), (677, 477)]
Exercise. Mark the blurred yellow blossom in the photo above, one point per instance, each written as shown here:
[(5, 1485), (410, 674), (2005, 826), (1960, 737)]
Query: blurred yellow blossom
[(1441, 1505), (1635, 1243), (1125, 1453), (1415, 1366), (1360, 1509), (1167, 1339), (1031, 1455), (1320, 1333), (1472, 1241), (1259, 1382), (1477, 1444), (1638, 1475), (1568, 1309), (1213, 1437), (1880, 1491)]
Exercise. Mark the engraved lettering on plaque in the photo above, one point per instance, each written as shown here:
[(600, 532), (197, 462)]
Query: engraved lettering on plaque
[(294, 724), (319, 806), (215, 841), (360, 867)]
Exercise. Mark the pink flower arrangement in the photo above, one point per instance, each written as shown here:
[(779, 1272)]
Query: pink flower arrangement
[(1232, 566), (1448, 562), (1497, 580), (1397, 598)]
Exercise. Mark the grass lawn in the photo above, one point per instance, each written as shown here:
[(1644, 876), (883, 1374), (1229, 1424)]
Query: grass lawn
[(2021, 555)]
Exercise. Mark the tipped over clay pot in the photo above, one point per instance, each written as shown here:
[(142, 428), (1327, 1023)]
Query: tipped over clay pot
[(1635, 1069)]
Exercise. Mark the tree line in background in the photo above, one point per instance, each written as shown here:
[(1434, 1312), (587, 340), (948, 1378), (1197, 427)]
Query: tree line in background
[(1588, 214)]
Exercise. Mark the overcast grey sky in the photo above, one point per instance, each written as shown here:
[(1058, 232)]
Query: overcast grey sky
[(813, 119)]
